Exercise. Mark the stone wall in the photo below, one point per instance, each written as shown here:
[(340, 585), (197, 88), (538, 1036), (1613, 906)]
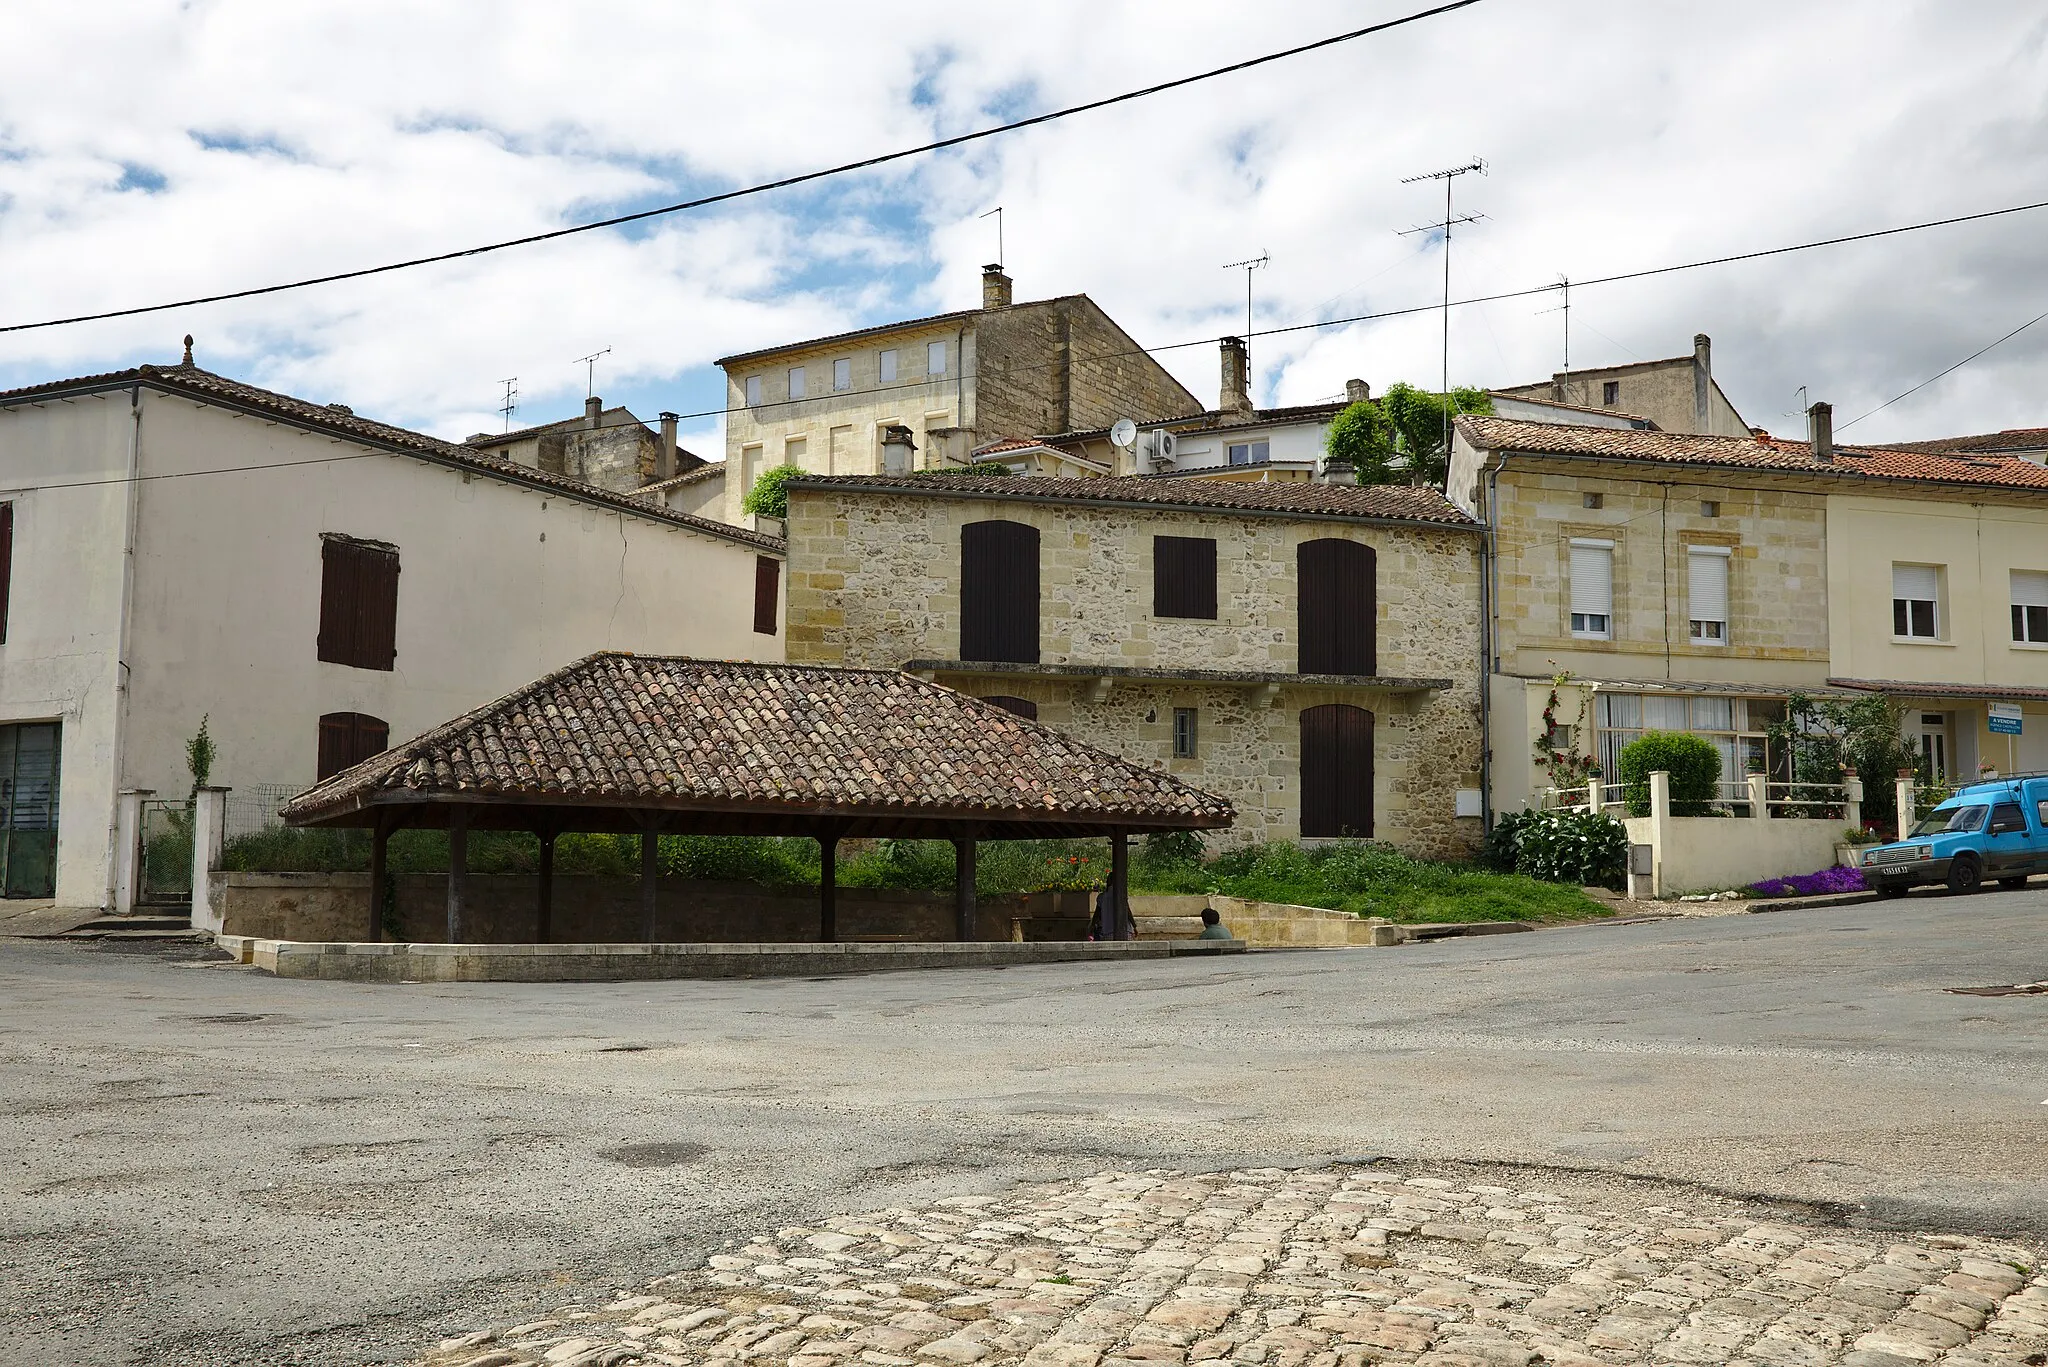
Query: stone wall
[(1061, 365), (874, 582)]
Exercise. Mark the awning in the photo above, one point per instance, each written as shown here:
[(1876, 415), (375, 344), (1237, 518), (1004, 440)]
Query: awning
[(1908, 689)]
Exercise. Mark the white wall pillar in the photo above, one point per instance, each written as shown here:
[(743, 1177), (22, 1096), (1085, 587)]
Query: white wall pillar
[(128, 847), (1852, 802), (1760, 796), (1905, 794), (1660, 827), (209, 821)]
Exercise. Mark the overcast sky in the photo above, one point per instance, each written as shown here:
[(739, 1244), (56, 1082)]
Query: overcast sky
[(151, 151)]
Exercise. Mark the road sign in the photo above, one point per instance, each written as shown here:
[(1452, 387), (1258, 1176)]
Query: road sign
[(2005, 718)]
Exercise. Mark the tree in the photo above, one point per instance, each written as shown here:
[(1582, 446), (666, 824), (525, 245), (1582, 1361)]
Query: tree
[(1827, 737), (768, 498), (1398, 438)]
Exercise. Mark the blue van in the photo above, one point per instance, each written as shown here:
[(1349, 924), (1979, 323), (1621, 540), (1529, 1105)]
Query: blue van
[(1996, 830)]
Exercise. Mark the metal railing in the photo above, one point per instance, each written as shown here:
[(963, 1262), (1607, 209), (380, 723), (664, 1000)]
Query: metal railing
[(1731, 798)]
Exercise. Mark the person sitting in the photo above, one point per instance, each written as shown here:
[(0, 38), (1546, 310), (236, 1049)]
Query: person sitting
[(1213, 927)]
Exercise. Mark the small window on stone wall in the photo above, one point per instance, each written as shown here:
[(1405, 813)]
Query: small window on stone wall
[(1185, 722)]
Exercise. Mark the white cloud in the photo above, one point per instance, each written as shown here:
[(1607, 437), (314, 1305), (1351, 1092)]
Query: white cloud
[(293, 140)]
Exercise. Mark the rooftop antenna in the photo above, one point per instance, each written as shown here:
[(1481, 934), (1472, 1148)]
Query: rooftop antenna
[(1448, 175), (1564, 284), (1248, 267), (511, 404), (590, 372), (998, 212)]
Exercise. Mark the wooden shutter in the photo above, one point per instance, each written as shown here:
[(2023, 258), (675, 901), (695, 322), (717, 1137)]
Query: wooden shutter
[(358, 603), (1184, 577), (1336, 771), (349, 738), (999, 592), (1023, 707), (767, 593), (1337, 606), (6, 563)]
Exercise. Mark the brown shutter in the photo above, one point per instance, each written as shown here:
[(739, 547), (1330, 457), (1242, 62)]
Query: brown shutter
[(6, 562), (337, 603), (767, 593), (1336, 771), (358, 604), (1337, 607), (1184, 577), (999, 592), (377, 647), (1023, 707), (349, 738)]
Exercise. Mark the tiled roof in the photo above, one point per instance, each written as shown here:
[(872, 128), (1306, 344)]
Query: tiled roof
[(1217, 420), (710, 469), (2012, 439), (1908, 688), (207, 387), (784, 744), (1368, 502), (1755, 453), (568, 424)]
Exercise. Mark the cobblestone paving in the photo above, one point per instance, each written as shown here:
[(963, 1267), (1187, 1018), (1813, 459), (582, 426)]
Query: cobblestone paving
[(1334, 1267)]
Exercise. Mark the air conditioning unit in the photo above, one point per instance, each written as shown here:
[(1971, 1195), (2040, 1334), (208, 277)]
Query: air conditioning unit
[(1165, 447)]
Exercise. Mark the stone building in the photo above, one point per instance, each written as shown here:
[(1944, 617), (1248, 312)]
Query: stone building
[(1692, 583), (1677, 395), (924, 394), (1307, 650), (607, 447)]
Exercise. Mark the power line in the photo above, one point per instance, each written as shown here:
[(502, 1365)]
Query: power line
[(785, 183), (1950, 371)]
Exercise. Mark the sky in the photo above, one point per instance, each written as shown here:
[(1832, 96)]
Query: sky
[(155, 151)]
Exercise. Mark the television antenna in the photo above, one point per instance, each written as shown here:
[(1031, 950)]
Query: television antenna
[(590, 371), (511, 404), (998, 212), (1256, 263), (1448, 176)]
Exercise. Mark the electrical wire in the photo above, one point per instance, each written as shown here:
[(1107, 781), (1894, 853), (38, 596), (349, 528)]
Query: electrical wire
[(1950, 371), (784, 183)]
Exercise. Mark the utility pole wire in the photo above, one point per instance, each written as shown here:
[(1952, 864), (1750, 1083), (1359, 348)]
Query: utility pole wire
[(786, 182), (1950, 371)]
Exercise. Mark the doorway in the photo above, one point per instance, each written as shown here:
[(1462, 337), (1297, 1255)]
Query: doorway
[(1934, 746), (28, 809)]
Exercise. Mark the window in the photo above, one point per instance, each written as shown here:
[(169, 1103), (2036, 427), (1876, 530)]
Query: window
[(347, 739), (888, 366), (1336, 771), (1610, 393), (1916, 589), (1592, 589), (1710, 507), (767, 593), (839, 451), (1184, 723), (753, 391), (1733, 726), (358, 602), (1707, 576), (796, 382), (1336, 596), (935, 358), (2006, 817), (30, 756), (1184, 577), (1250, 452), (1593, 501), (1023, 707), (999, 592), (2029, 605), (6, 563), (842, 375)]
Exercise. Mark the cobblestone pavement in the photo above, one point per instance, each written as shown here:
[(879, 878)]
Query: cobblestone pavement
[(1332, 1267)]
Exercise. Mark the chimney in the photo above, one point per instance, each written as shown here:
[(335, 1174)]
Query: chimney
[(665, 463), (995, 287), (1357, 391), (593, 410), (899, 452), (1702, 383), (1236, 397), (1339, 471), (1820, 430)]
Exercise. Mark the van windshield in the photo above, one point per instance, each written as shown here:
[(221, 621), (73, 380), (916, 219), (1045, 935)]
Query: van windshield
[(1951, 819)]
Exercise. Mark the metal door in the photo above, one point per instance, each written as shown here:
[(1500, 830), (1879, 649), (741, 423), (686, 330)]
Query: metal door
[(166, 854), (29, 771)]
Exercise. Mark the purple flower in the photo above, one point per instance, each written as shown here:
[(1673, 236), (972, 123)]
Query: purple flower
[(1837, 879)]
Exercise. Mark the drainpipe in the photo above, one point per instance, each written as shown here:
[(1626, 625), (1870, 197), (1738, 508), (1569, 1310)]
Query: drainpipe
[(1489, 624), (960, 384), (122, 669)]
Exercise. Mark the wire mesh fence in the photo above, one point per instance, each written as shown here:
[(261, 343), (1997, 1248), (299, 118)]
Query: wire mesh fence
[(254, 806)]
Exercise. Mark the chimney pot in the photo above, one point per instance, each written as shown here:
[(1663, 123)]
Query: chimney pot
[(1820, 430), (1357, 391), (665, 464), (1702, 383), (1236, 396), (995, 287), (593, 410)]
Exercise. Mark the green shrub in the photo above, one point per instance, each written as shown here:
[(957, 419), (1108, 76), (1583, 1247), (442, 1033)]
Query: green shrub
[(1586, 849), (1694, 765), (768, 498), (1501, 851)]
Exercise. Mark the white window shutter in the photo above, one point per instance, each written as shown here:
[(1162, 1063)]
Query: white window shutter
[(1709, 583), (1918, 582), (2029, 589), (1593, 578)]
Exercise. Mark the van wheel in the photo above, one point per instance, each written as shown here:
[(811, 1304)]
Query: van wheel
[(1965, 875), (2013, 884), (1891, 889)]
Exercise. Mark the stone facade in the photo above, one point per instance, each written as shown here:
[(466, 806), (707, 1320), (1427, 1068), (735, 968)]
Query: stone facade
[(1666, 392), (875, 581), (614, 451)]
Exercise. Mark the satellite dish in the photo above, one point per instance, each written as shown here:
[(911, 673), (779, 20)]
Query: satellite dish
[(1123, 433)]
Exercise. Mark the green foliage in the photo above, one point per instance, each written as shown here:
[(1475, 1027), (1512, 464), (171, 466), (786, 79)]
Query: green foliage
[(199, 757), (1826, 737), (1368, 879), (1694, 765), (1585, 849), (768, 497), (989, 467), (1362, 437), (1398, 438)]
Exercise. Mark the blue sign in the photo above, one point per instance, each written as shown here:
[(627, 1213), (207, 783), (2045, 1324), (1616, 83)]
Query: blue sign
[(2005, 718)]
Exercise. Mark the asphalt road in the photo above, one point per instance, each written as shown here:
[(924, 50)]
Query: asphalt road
[(201, 1164)]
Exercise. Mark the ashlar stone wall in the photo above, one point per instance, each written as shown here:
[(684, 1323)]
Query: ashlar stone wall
[(874, 582)]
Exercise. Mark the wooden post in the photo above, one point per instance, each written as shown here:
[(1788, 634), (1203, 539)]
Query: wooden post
[(963, 887), (380, 836), (828, 882), (650, 879), (1122, 926), (544, 891), (458, 871)]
